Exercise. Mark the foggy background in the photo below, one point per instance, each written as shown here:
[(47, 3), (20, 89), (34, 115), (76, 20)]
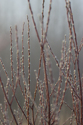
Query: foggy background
[(14, 12)]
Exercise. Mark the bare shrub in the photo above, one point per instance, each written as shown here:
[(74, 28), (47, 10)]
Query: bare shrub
[(51, 95)]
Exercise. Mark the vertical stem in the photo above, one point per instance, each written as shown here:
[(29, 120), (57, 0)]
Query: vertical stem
[(28, 67), (11, 57), (46, 84)]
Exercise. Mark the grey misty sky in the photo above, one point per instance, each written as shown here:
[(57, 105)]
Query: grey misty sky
[(14, 12)]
